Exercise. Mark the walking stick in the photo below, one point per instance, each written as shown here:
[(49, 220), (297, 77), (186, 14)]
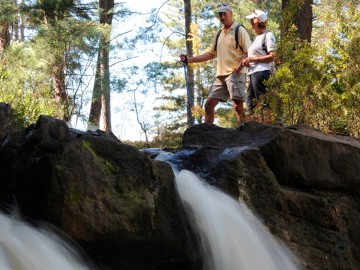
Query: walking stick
[(188, 93)]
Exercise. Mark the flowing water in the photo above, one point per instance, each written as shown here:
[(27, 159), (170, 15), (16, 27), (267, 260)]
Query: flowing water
[(23, 247), (232, 237)]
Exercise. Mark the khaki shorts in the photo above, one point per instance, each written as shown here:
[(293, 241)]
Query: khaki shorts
[(229, 87)]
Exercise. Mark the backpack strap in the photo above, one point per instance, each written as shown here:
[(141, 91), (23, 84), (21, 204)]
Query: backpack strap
[(264, 47), (217, 37), (237, 45), (237, 37)]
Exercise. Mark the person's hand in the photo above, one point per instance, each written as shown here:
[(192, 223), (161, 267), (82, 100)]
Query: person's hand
[(183, 58), (239, 68), (245, 62)]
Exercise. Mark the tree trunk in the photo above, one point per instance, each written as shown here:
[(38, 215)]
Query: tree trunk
[(100, 112), (190, 70), (22, 24), (5, 36), (105, 116), (61, 97), (16, 23), (304, 20), (303, 17), (94, 117), (199, 99)]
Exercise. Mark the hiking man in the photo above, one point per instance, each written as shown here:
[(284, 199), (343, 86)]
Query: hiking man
[(230, 74)]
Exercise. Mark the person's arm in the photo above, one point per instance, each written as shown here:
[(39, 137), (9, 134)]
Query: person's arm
[(196, 59), (259, 59), (241, 64)]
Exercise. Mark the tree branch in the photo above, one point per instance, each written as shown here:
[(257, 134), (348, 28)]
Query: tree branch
[(167, 39), (123, 61)]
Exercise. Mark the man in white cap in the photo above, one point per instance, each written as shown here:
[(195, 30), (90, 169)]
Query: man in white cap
[(230, 75), (259, 60)]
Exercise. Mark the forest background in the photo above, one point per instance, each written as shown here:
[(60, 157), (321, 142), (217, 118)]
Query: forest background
[(86, 62)]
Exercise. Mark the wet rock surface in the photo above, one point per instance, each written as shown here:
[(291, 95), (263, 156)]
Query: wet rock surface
[(302, 184), (121, 205)]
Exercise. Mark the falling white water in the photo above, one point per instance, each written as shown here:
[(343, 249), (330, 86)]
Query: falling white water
[(23, 247), (231, 236)]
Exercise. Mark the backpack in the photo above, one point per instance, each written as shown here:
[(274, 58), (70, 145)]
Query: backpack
[(264, 47), (236, 37)]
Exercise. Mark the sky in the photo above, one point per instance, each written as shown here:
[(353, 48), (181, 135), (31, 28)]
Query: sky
[(124, 123)]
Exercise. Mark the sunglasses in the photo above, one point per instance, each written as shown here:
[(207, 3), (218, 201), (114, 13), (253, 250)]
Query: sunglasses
[(223, 5)]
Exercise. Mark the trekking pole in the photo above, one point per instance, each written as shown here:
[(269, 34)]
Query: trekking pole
[(188, 93)]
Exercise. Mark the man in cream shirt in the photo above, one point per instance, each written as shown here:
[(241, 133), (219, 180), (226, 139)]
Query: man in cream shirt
[(230, 74)]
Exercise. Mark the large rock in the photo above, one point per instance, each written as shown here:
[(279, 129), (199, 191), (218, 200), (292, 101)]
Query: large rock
[(7, 123), (120, 205), (304, 185)]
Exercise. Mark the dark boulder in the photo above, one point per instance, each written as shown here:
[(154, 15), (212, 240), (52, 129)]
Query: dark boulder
[(111, 198), (304, 185), (121, 206)]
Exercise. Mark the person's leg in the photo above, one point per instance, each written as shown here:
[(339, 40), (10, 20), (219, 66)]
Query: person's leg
[(258, 85), (258, 80), (217, 93), (210, 109), (250, 96), (236, 86), (239, 109)]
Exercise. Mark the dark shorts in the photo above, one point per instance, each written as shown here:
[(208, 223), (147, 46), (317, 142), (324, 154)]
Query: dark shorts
[(229, 87), (255, 89)]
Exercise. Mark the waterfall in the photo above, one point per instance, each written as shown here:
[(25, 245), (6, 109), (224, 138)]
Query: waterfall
[(232, 238), (23, 247)]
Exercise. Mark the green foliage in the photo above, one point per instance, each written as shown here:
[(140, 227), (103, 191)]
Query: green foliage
[(293, 85), (318, 83), (60, 49), (341, 84), (226, 117), (166, 138), (25, 84), (52, 11), (7, 10), (72, 42)]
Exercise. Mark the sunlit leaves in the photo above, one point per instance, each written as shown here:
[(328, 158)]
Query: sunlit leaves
[(26, 85), (319, 83)]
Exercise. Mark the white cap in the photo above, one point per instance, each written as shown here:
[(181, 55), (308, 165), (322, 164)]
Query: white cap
[(224, 7), (261, 15)]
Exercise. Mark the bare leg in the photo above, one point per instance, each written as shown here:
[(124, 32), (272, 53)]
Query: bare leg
[(239, 109), (210, 109)]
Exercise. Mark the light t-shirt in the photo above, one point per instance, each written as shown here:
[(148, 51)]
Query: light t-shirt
[(228, 57), (256, 50)]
